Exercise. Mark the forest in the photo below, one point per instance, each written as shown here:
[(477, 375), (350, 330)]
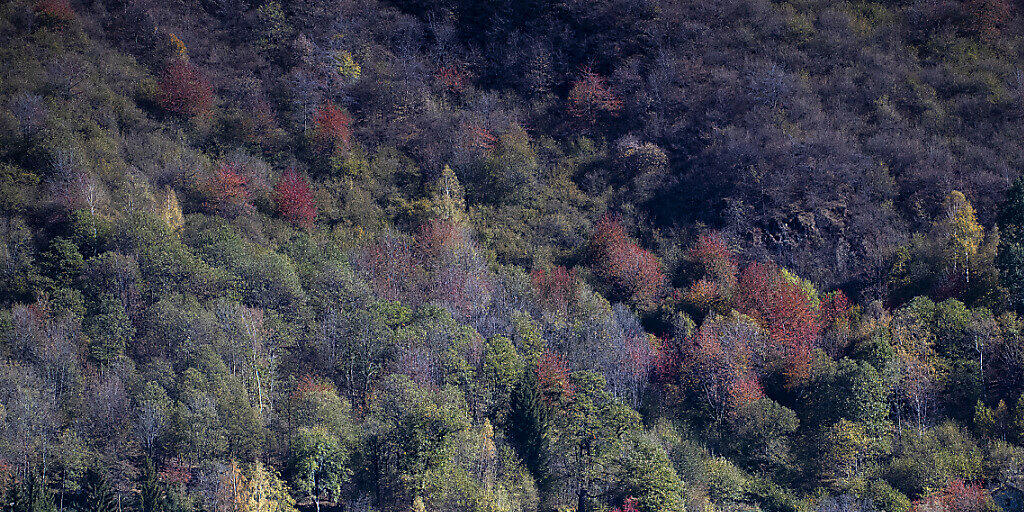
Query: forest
[(511, 256)]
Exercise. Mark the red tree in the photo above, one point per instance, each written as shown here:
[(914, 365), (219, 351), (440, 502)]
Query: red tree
[(787, 313), (590, 96), (332, 127), (632, 272), (294, 198), (720, 361), (451, 78), (55, 11), (229, 192), (988, 16), (628, 505), (477, 137), (183, 90), (553, 377), (555, 287), (835, 310), (956, 496), (457, 274), (715, 259)]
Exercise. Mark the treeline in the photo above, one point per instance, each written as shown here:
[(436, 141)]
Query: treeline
[(502, 256)]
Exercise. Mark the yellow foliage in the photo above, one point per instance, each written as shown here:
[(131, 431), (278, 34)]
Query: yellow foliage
[(347, 65), (448, 197), (257, 489), (180, 50), (170, 210), (961, 228)]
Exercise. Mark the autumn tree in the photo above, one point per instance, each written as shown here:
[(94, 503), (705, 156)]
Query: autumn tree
[(555, 287), (715, 287), (170, 210), (916, 375), (553, 377), (787, 312), (229, 191), (957, 496), (295, 199), (630, 271), (590, 96), (332, 127), (988, 16), (448, 197), (721, 361), (961, 232), (183, 90), (55, 11), (457, 275)]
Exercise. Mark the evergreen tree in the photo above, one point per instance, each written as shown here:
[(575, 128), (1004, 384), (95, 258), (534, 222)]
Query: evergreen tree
[(96, 494), (110, 330), (527, 425), (1010, 258), (152, 498)]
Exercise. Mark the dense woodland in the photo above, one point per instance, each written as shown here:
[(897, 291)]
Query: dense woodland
[(511, 255)]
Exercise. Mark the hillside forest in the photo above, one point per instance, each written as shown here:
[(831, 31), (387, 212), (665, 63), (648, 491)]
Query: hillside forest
[(511, 256)]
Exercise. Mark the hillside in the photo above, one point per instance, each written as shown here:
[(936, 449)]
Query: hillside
[(511, 256)]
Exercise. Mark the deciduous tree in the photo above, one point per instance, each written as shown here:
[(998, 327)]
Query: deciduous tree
[(295, 199), (183, 90)]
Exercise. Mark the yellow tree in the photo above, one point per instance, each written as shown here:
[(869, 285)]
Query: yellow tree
[(448, 197), (256, 489), (963, 235), (170, 210)]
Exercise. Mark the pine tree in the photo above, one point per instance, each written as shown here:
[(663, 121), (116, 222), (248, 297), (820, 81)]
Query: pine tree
[(96, 495), (1010, 256), (152, 499), (528, 424)]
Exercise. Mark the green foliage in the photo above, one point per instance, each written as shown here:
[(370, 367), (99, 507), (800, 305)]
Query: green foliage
[(319, 465), (169, 343)]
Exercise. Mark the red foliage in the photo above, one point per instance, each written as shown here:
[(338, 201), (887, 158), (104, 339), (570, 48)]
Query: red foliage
[(719, 361), (555, 286), (715, 258), (786, 312), (591, 96), (632, 272), (744, 388), (478, 137), (437, 237), (229, 192), (988, 16), (451, 78), (553, 377), (55, 11), (294, 198), (332, 126), (183, 90), (957, 496), (628, 505), (457, 274), (311, 385), (703, 294), (175, 472), (835, 310)]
